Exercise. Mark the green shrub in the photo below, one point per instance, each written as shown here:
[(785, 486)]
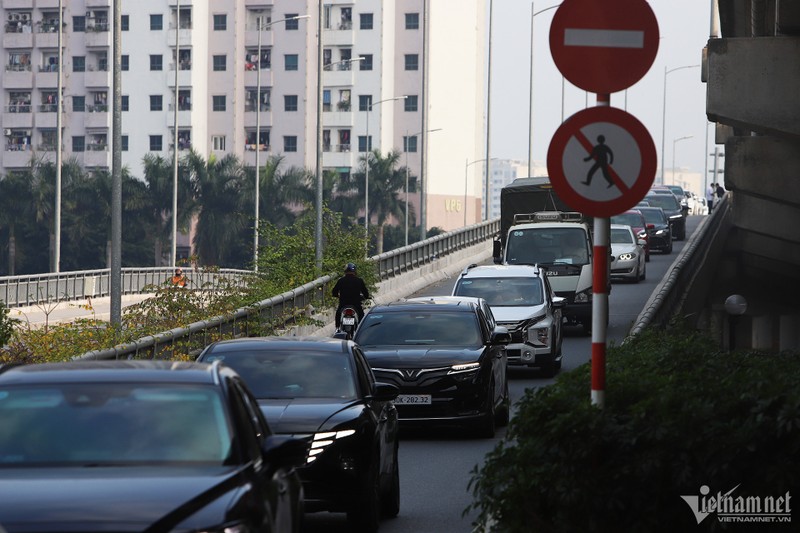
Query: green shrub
[(679, 414), (6, 324)]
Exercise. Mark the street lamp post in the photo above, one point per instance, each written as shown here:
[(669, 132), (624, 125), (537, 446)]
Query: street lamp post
[(466, 178), (674, 142), (664, 112), (530, 96), (408, 137), (259, 28), (367, 149)]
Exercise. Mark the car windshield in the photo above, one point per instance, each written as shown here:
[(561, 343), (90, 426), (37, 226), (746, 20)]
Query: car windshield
[(664, 201), (621, 236), (280, 374), (629, 219), (653, 216), (548, 246), (503, 291), (409, 328), (96, 424)]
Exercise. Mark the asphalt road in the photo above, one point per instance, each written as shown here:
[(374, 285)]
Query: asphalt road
[(435, 467)]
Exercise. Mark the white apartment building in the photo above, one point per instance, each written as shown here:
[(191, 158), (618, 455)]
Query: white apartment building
[(224, 83)]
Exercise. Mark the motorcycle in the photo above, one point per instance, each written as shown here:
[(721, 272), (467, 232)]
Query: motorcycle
[(349, 323)]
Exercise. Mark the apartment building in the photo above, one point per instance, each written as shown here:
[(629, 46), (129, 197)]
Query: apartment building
[(247, 84)]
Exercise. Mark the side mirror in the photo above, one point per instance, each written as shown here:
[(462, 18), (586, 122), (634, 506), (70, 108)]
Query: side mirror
[(642, 242), (559, 302), (286, 451), (501, 336), (384, 392)]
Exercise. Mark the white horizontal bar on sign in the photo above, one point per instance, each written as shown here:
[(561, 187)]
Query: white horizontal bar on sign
[(604, 38)]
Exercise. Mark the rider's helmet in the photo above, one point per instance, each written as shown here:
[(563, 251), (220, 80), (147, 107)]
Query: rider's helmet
[(350, 267)]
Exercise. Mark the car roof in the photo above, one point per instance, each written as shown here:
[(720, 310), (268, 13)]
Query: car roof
[(623, 227), (496, 271), (317, 344), (128, 371), (464, 304)]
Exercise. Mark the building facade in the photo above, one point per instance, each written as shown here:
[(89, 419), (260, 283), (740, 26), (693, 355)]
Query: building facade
[(242, 79)]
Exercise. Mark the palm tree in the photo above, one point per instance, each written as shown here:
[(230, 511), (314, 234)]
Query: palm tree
[(280, 193), (15, 195), (221, 223), (386, 182), (159, 176)]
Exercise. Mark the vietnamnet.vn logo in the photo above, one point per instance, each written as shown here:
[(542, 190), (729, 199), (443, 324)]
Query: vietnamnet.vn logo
[(730, 508)]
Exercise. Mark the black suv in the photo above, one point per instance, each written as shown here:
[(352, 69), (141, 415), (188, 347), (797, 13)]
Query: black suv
[(658, 229), (446, 354), (676, 213)]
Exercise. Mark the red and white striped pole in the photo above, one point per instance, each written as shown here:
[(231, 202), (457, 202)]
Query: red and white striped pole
[(602, 230)]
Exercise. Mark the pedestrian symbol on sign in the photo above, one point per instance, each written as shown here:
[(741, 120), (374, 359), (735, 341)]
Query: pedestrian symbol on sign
[(603, 157)]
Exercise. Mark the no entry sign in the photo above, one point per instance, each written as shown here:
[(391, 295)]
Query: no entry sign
[(604, 46), (601, 161)]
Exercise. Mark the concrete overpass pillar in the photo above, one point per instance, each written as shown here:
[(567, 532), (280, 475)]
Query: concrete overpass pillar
[(789, 333)]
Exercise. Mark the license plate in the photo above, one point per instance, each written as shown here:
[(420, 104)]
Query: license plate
[(348, 321), (413, 399)]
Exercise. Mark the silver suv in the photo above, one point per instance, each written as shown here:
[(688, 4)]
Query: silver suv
[(522, 300)]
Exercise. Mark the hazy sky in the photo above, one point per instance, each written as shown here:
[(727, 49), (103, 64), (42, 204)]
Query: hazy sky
[(684, 28)]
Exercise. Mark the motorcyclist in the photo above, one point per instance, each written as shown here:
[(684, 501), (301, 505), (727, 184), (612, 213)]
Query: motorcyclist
[(351, 291)]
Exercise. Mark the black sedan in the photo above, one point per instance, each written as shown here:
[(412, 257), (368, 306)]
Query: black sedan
[(446, 354), (128, 446), (323, 389), (676, 213), (658, 229)]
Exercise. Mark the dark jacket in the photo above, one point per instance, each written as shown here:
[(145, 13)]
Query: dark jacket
[(350, 289)]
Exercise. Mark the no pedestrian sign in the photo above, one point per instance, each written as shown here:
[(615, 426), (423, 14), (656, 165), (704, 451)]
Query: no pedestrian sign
[(601, 161), (604, 46)]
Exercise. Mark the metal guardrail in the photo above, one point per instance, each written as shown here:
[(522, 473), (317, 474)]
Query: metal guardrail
[(23, 291), (286, 307), (677, 294)]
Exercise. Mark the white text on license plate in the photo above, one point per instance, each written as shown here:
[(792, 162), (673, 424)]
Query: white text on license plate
[(413, 399), (348, 321)]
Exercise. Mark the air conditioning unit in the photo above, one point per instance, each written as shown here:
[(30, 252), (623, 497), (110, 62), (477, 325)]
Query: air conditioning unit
[(16, 16), (7, 132), (25, 17)]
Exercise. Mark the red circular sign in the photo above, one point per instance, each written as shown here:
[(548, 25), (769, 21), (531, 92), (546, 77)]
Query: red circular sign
[(604, 46), (601, 161)]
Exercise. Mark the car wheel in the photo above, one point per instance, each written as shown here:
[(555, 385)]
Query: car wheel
[(669, 247), (643, 274), (504, 414), (647, 257), (487, 424), (365, 516), (390, 501)]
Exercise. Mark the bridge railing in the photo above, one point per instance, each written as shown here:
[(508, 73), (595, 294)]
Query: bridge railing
[(285, 308)]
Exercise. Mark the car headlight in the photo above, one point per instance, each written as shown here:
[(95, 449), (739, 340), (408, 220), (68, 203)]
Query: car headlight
[(538, 336), (627, 256), (583, 296), (675, 217), (322, 440), (464, 372), (661, 232)]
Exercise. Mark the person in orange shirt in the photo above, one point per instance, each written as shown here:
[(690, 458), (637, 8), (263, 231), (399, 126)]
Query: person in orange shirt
[(179, 280)]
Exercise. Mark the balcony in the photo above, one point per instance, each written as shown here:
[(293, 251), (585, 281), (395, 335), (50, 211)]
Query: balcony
[(97, 156), (17, 116), (339, 35), (18, 77), (250, 118), (98, 4), (97, 78), (97, 116), (249, 158), (98, 36), (339, 157), (251, 78), (184, 35), (251, 37), (40, 4), (17, 155), (340, 77), (46, 118), (17, 40), (184, 78), (24, 4), (184, 118), (338, 119), (47, 40)]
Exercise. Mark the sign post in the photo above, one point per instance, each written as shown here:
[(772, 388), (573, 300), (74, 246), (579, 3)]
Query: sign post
[(602, 160)]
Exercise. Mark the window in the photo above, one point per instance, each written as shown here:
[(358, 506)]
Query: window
[(79, 103), (218, 142), (364, 102), (362, 143), (124, 23), (365, 21), (157, 62), (124, 63), (156, 22), (292, 24), (124, 143), (156, 144), (78, 63), (412, 21), (218, 102), (290, 143), (220, 22), (78, 143), (326, 99), (410, 144), (290, 61), (78, 23), (125, 102), (156, 102), (290, 102), (220, 63), (366, 62), (410, 103), (412, 61)]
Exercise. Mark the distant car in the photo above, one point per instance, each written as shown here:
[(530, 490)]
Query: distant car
[(674, 211), (446, 354), (522, 300), (323, 389), (627, 254), (635, 219), (122, 446), (658, 229), (679, 193)]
